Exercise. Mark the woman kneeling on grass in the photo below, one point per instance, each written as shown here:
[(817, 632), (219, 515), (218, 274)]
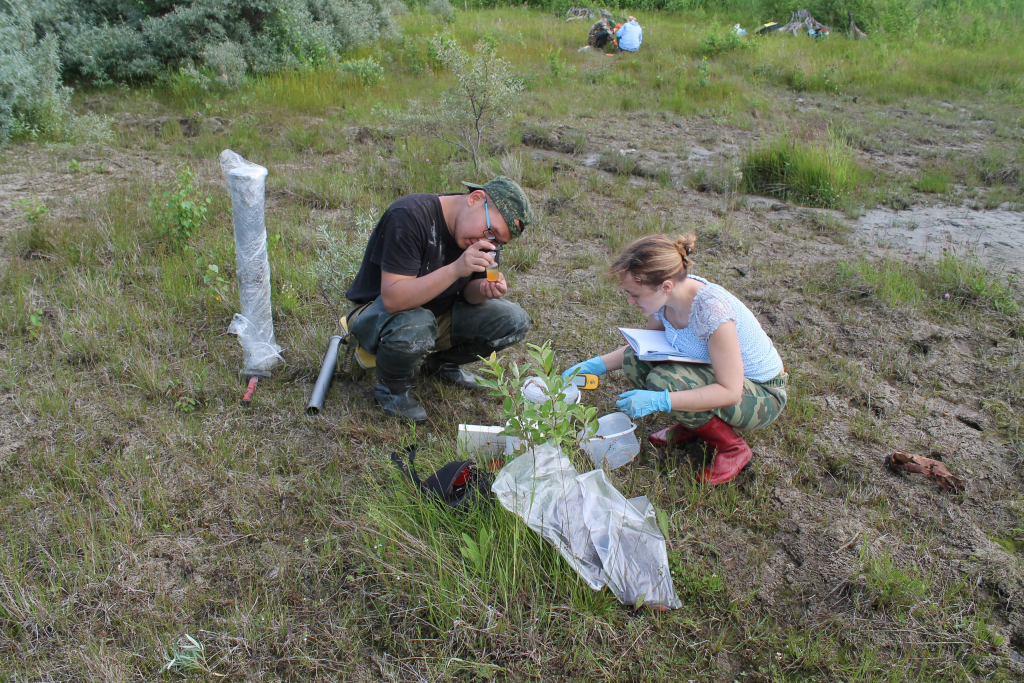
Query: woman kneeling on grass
[(745, 385)]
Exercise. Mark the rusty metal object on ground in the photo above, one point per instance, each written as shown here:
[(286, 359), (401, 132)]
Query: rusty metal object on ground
[(918, 464)]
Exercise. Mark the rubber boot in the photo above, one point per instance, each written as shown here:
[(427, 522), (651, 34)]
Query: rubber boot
[(446, 367), (392, 394), (675, 435), (731, 452)]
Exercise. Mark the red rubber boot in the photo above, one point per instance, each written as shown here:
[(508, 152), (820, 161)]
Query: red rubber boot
[(732, 452), (676, 434)]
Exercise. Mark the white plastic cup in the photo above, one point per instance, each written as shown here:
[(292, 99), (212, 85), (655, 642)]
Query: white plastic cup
[(614, 443)]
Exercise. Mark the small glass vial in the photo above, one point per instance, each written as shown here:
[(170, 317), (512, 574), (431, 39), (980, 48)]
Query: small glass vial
[(492, 270)]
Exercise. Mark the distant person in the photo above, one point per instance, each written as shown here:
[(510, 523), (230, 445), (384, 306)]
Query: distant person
[(744, 385), (421, 291), (630, 35)]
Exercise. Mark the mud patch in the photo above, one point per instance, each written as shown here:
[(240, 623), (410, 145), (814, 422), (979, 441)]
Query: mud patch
[(997, 236)]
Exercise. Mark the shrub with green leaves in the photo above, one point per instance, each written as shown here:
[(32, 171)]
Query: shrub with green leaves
[(340, 254), (720, 40), (33, 102), (368, 71), (178, 211), (551, 421), (480, 102), (105, 41), (443, 10)]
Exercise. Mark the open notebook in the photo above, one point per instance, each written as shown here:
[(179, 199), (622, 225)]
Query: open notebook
[(652, 345)]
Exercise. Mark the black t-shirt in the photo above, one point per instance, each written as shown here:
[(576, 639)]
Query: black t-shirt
[(411, 238)]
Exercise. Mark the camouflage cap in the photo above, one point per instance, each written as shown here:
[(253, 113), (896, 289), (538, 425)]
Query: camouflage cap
[(511, 201)]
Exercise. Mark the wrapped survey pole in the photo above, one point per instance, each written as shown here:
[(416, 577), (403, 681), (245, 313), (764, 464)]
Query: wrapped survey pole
[(255, 324)]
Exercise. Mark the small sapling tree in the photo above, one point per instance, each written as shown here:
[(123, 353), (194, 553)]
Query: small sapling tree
[(481, 100), (551, 421), (177, 209)]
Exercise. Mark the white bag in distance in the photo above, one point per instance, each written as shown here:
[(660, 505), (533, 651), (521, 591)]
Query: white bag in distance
[(606, 538), (255, 324)]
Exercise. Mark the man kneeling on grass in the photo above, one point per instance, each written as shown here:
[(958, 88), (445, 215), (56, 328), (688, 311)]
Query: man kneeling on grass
[(421, 289)]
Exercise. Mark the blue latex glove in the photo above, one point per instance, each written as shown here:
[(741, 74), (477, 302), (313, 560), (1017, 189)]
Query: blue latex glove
[(639, 402), (592, 366)]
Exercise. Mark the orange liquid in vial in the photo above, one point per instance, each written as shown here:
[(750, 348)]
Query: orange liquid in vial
[(492, 273)]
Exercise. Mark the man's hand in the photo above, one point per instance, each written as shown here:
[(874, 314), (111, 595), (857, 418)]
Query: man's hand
[(494, 290), (478, 291), (475, 259)]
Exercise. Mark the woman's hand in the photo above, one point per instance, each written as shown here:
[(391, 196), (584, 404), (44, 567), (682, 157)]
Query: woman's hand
[(640, 402), (592, 366)]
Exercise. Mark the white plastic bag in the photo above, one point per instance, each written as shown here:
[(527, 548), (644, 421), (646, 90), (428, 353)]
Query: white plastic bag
[(255, 324), (606, 538)]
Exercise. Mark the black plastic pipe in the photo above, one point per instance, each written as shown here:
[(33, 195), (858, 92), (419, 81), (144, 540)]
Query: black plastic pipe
[(323, 382)]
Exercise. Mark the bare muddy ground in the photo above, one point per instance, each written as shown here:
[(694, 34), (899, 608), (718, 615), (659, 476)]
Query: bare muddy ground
[(996, 236)]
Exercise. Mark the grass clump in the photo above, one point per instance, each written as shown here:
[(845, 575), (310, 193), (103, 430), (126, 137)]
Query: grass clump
[(822, 175), (933, 181), (894, 282), (955, 280), (965, 280)]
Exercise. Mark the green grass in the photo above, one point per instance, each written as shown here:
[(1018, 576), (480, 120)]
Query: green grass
[(819, 173), (933, 181), (142, 505), (952, 283), (968, 283)]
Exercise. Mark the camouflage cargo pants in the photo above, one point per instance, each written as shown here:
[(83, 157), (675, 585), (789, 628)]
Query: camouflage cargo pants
[(761, 403), (460, 335)]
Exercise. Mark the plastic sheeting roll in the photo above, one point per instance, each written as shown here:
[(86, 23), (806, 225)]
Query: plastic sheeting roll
[(255, 324)]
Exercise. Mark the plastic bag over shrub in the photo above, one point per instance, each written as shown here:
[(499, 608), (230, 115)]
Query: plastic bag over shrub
[(606, 538)]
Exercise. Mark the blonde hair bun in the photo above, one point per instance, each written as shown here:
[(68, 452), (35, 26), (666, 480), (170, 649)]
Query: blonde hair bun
[(686, 245), (656, 258)]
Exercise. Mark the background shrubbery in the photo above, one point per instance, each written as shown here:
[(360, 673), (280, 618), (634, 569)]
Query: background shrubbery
[(44, 43), (47, 45)]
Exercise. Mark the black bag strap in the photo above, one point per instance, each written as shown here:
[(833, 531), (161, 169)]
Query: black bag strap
[(409, 470)]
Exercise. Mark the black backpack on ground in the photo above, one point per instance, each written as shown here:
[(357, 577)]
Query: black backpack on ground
[(458, 484)]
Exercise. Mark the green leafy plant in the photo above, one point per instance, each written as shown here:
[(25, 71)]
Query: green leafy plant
[(702, 73), (186, 404), (477, 551), (177, 209), (33, 210), (558, 66), (368, 71), (550, 421), (35, 322), (74, 166), (213, 280)]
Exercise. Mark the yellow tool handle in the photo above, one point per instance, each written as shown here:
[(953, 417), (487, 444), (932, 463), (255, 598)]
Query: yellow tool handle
[(584, 381)]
